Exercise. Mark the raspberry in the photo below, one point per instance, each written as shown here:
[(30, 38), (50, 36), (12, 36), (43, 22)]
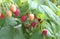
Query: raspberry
[(33, 24), (31, 16), (24, 18), (13, 8), (9, 13), (45, 31), (2, 16), (28, 26), (17, 12)]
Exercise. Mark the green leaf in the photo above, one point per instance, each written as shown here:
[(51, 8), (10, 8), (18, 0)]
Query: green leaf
[(36, 35), (11, 21), (58, 2), (32, 4), (18, 34), (41, 1), (51, 14), (8, 32), (51, 5)]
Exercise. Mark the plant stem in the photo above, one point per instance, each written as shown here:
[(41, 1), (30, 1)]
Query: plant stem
[(44, 37)]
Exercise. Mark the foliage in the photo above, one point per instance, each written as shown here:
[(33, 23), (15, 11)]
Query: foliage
[(14, 28)]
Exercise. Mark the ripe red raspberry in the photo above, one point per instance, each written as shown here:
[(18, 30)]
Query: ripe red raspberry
[(2, 16), (24, 18), (17, 12), (27, 26), (33, 24), (45, 31)]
